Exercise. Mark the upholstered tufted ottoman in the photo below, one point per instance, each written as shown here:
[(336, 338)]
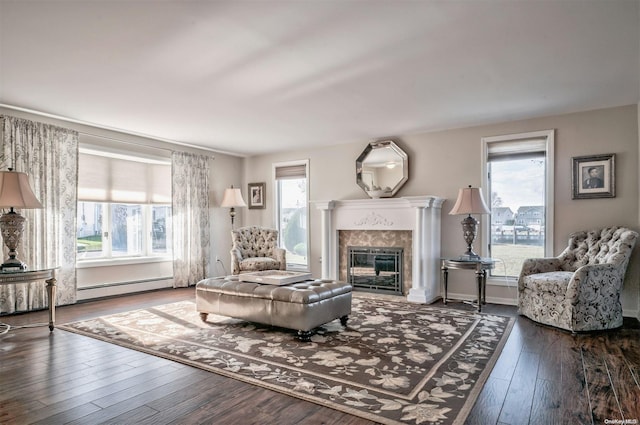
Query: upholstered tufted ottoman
[(301, 306)]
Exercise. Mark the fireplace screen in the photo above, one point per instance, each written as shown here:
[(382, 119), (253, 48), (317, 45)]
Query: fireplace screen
[(375, 269)]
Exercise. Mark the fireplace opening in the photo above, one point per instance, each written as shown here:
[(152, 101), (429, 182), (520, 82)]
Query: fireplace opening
[(375, 269)]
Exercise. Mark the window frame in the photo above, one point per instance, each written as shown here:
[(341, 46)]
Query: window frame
[(276, 209), (549, 141), (147, 255)]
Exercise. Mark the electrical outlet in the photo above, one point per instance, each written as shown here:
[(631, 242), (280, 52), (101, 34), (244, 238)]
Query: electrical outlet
[(217, 259)]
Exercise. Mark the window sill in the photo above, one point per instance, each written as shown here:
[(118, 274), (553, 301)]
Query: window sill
[(297, 268), (84, 264)]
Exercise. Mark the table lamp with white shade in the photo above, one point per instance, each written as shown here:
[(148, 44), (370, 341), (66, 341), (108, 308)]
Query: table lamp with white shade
[(470, 201), (15, 192), (232, 199)]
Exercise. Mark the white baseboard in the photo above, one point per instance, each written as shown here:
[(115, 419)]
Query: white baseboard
[(121, 289), (492, 300), (631, 313), (502, 301)]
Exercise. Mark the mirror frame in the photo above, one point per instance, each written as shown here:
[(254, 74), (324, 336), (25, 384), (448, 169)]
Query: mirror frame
[(380, 145)]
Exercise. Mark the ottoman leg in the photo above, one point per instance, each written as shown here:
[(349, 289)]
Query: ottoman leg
[(305, 336), (343, 320), (203, 316)]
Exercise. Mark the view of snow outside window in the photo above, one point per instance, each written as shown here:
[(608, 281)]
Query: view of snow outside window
[(517, 213), (118, 230), (293, 220)]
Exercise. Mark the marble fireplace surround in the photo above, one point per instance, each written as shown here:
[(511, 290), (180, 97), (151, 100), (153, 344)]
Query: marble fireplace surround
[(419, 214)]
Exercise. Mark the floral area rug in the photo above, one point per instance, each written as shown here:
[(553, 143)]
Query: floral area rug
[(395, 362)]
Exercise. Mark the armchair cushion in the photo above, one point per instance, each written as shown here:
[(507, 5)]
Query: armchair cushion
[(259, 264), (580, 289), (555, 283)]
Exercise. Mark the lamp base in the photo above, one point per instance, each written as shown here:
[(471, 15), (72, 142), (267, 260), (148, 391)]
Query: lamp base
[(12, 226), (232, 213), (469, 228), (13, 264)]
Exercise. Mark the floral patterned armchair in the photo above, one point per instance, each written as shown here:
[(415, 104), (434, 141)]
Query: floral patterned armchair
[(580, 289), (256, 249)]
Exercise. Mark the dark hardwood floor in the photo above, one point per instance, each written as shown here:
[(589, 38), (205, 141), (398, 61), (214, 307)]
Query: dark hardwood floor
[(543, 376)]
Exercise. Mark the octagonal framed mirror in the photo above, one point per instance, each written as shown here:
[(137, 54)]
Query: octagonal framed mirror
[(382, 169)]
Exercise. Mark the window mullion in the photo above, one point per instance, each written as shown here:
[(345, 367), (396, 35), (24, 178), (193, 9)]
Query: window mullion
[(146, 229), (106, 228)]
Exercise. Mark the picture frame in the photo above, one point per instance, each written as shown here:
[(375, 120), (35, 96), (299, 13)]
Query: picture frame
[(593, 176), (256, 192)]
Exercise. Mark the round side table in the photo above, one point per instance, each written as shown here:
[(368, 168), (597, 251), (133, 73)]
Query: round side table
[(480, 265)]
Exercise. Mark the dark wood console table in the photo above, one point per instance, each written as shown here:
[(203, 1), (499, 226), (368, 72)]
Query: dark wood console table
[(26, 276)]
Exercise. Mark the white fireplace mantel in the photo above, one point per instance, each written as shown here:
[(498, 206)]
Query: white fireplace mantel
[(420, 214)]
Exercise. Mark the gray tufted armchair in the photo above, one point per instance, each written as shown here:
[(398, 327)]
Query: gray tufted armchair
[(580, 289), (255, 249)]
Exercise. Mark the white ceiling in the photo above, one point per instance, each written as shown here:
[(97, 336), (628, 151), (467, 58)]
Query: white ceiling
[(253, 77)]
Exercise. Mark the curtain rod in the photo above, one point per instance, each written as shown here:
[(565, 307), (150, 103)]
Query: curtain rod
[(71, 120)]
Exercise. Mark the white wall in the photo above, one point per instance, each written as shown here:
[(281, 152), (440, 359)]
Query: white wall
[(442, 162), (226, 170)]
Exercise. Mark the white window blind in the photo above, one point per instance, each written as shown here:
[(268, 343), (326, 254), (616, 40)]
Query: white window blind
[(291, 172), (516, 149), (104, 178)]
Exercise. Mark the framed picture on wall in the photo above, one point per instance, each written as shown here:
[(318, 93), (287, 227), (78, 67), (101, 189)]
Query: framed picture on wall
[(257, 195), (594, 176)]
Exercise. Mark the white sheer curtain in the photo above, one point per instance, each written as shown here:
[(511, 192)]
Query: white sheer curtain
[(190, 210), (49, 155)]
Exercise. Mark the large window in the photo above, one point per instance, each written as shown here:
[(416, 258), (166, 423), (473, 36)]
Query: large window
[(519, 184), (124, 206), (112, 230), (292, 207)]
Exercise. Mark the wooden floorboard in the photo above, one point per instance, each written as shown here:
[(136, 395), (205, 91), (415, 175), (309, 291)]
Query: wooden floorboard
[(519, 399), (545, 407), (489, 404), (543, 376), (602, 394), (508, 360), (574, 392), (84, 398), (550, 367), (153, 389)]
